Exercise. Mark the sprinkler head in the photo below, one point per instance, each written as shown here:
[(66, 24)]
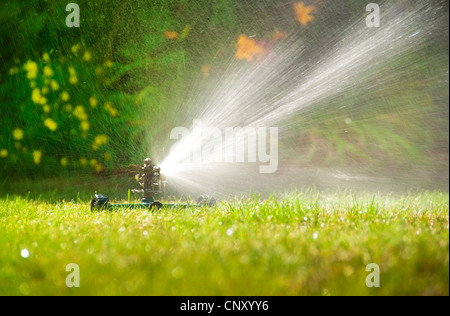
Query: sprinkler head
[(149, 177), (147, 162)]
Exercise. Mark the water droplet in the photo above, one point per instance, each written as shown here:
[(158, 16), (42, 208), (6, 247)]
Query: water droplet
[(25, 253)]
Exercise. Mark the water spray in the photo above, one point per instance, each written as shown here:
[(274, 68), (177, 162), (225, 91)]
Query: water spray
[(271, 93)]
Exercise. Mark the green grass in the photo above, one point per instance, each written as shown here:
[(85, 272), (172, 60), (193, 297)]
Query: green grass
[(305, 243)]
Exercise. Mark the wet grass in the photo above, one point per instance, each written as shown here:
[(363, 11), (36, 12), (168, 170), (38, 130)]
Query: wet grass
[(305, 243)]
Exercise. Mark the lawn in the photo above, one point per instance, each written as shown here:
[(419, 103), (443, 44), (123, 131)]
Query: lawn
[(307, 242)]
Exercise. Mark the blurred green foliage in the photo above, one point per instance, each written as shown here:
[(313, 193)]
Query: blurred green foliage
[(105, 86)]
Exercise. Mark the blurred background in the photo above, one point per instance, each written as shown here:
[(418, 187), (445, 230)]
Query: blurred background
[(78, 105)]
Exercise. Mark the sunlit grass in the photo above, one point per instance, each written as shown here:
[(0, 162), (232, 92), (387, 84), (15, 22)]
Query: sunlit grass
[(303, 244)]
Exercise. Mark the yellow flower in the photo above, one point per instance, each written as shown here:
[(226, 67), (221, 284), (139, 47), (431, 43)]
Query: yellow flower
[(93, 102), (93, 162), (80, 113), (65, 96), (99, 141), (98, 167), (109, 63), (54, 85), (46, 57), (14, 70), (3, 153), (76, 48), (107, 156), (185, 31), (72, 71), (87, 56), (32, 69), (83, 161), (48, 71), (44, 90), (84, 125), (46, 108), (37, 154), (36, 95), (73, 79), (111, 110), (52, 125), (64, 161), (18, 134)]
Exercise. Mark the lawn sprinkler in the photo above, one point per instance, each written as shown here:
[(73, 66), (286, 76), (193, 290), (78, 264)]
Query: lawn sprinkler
[(152, 182)]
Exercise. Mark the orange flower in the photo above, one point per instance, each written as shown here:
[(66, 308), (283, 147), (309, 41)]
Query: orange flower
[(277, 35), (303, 12), (205, 69), (248, 48), (170, 34)]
